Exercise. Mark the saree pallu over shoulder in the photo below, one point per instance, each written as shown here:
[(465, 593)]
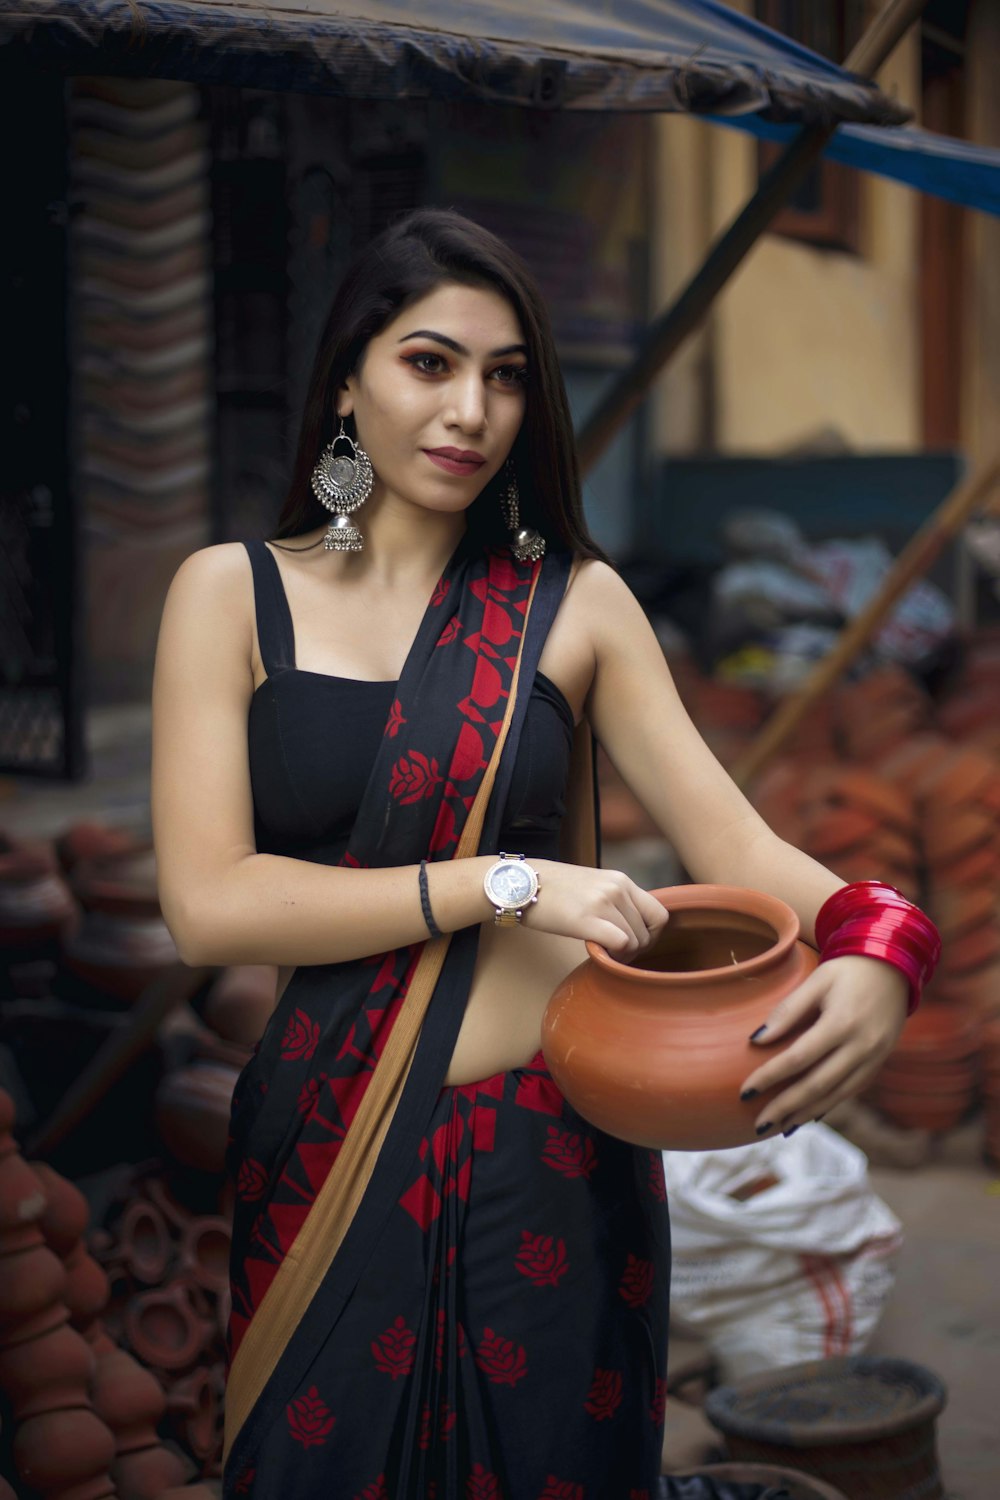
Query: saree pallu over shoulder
[(328, 1115)]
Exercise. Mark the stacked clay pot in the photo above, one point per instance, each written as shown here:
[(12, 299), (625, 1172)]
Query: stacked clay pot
[(930, 1081), (37, 908), (127, 1397), (852, 820), (881, 710), (169, 1272), (60, 1446), (956, 790), (122, 943)]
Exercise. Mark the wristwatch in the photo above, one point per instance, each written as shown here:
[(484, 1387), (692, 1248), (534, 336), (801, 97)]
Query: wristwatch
[(511, 884)]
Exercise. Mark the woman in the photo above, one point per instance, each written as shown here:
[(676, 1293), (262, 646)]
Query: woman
[(445, 1283)]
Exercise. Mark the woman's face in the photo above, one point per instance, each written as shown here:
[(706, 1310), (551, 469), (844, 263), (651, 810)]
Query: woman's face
[(439, 396)]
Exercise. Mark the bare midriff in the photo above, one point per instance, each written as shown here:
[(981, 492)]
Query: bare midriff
[(516, 971)]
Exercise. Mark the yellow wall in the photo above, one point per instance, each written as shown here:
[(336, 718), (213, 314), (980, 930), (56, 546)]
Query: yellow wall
[(981, 333), (804, 345)]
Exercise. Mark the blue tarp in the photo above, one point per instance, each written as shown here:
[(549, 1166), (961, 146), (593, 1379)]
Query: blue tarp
[(936, 164)]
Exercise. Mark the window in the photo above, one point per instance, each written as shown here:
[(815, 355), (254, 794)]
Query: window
[(824, 209)]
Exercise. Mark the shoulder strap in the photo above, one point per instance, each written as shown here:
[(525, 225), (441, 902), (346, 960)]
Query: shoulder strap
[(275, 634)]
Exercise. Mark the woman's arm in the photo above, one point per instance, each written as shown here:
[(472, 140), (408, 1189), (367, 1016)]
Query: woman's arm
[(223, 902), (226, 904), (856, 1006)]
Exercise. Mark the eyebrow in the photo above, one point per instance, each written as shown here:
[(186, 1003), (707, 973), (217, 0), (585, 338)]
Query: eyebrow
[(441, 338)]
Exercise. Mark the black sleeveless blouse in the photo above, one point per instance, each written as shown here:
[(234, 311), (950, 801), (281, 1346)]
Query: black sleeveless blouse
[(312, 739)]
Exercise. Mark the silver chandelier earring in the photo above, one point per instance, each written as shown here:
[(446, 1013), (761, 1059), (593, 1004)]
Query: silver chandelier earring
[(526, 543), (342, 482)]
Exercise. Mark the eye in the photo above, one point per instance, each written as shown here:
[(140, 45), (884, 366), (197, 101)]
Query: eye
[(511, 375), (427, 364)]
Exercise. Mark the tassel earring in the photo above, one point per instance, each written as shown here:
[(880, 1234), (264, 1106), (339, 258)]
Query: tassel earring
[(526, 543), (342, 482)]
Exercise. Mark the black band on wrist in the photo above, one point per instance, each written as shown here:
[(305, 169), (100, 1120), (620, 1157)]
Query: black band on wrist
[(425, 903)]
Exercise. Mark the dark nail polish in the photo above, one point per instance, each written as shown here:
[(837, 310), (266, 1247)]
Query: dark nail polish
[(818, 1118), (758, 1033), (749, 1094), (765, 1127), (790, 1131)]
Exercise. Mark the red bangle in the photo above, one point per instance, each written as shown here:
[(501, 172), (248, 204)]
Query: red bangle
[(870, 919)]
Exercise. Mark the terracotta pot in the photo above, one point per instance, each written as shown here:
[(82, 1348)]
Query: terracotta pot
[(36, 905), (130, 1399), (194, 1401), (66, 1213), (192, 1114), (47, 1373), (656, 1054), (22, 1197), (65, 1454), (87, 1286), (148, 1473), (791, 1482), (165, 1329), (920, 1113), (864, 1424), (145, 1241), (240, 1002), (205, 1252)]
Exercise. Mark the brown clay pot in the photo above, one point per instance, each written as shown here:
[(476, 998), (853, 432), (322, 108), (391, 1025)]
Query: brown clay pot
[(65, 1453), (655, 1052), (66, 1211), (145, 1241), (793, 1482), (47, 1373), (129, 1398), (165, 1329), (240, 1002), (192, 1114), (148, 1473), (864, 1424), (205, 1249)]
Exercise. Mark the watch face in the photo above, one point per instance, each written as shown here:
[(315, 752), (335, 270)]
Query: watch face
[(511, 884)]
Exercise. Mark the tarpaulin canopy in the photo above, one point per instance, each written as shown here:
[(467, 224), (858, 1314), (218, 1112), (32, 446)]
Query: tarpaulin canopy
[(696, 56), (936, 164)]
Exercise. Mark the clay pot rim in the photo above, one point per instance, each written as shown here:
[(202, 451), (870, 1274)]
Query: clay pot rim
[(715, 898), (931, 1399)]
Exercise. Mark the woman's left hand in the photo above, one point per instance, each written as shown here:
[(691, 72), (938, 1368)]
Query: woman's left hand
[(859, 1005)]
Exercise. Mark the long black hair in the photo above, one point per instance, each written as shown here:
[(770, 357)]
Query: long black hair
[(404, 263)]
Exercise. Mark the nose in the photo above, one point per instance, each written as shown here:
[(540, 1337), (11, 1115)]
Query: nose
[(468, 404)]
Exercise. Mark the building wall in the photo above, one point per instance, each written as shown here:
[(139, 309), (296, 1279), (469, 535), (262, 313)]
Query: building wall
[(981, 332), (806, 347)]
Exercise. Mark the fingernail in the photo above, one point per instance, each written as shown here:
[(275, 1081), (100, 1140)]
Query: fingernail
[(761, 1129), (818, 1118), (758, 1033), (749, 1094), (790, 1131)]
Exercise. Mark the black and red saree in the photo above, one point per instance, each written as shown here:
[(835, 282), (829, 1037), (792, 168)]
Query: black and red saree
[(478, 1309)]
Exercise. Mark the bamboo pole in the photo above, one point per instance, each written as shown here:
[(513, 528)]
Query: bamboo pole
[(668, 332), (911, 564)]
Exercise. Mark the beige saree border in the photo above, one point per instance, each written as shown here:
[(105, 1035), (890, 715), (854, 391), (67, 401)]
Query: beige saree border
[(308, 1259)]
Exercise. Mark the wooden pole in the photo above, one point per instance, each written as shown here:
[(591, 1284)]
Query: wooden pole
[(669, 331), (911, 564)]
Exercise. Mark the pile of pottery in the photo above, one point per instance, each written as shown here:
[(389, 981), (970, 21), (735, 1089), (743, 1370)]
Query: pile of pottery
[(956, 791), (85, 904), (854, 821), (168, 1269), (968, 710), (83, 1412), (879, 711), (193, 1100), (930, 1081)]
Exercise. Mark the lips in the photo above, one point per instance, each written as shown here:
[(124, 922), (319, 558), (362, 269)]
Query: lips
[(455, 460)]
